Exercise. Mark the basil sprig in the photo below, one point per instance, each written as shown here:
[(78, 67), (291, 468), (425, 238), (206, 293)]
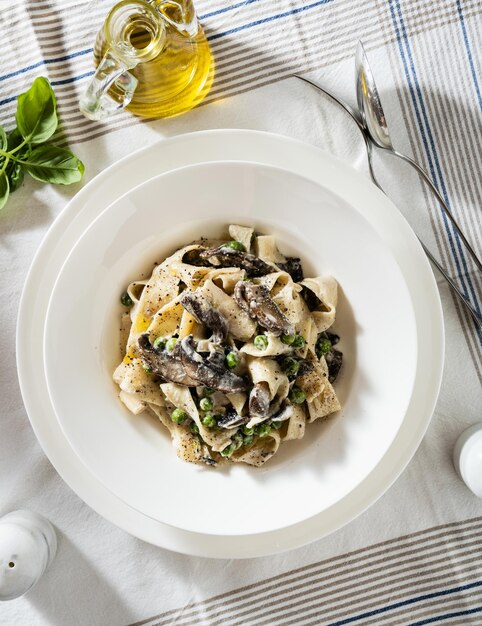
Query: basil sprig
[(24, 148)]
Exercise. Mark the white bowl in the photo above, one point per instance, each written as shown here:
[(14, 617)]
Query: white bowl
[(132, 455)]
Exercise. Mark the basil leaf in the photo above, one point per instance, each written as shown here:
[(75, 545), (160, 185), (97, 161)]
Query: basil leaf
[(14, 139), (15, 175), (4, 190), (3, 139), (36, 115), (51, 164)]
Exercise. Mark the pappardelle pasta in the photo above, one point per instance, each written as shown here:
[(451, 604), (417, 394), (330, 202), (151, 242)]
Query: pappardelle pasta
[(227, 343)]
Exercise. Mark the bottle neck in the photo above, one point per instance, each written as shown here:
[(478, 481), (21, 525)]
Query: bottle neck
[(180, 14), (135, 30)]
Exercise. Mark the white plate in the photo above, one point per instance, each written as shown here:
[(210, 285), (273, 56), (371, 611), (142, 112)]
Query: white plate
[(116, 180), (148, 224)]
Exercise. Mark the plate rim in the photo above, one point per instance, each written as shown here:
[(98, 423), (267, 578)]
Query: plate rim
[(158, 533)]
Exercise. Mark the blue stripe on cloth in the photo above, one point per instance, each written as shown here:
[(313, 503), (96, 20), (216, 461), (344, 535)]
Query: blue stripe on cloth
[(430, 148), (66, 81), (226, 9), (7, 100), (410, 601), (278, 16), (469, 52), (440, 618), (73, 55), (55, 83)]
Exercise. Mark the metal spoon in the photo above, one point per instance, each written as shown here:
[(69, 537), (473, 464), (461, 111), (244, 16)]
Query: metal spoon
[(368, 144), (373, 118)]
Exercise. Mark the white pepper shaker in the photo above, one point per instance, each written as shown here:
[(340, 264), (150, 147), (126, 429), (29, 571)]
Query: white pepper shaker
[(468, 458), (27, 547)]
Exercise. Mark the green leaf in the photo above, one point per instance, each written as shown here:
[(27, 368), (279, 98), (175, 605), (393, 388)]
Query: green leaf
[(50, 164), (14, 139), (15, 175), (3, 139), (4, 190), (36, 112)]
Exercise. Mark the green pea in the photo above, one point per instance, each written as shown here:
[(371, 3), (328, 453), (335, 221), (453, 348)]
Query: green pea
[(228, 450), (299, 342), (276, 424), (297, 395), (208, 420), (238, 440), (207, 391), (248, 440), (231, 359), (290, 366), (159, 343), (261, 342), (263, 430), (288, 339), (147, 369), (206, 404), (126, 299), (194, 428), (170, 343), (247, 431), (178, 416), (323, 346), (234, 245)]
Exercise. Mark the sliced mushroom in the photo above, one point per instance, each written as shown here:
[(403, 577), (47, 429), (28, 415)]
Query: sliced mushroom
[(168, 365), (228, 257), (293, 267), (284, 412), (256, 301), (231, 419), (334, 360), (216, 358), (209, 373), (204, 312), (305, 367), (259, 400), (192, 257)]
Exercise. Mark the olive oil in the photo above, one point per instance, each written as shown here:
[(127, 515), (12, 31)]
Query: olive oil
[(176, 68)]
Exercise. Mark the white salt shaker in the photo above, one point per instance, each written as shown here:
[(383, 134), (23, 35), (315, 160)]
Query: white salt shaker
[(27, 547), (468, 458)]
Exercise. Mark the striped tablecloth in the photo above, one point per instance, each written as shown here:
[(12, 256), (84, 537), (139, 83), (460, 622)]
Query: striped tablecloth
[(415, 557)]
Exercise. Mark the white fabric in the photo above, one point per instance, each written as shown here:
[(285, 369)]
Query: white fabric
[(101, 575)]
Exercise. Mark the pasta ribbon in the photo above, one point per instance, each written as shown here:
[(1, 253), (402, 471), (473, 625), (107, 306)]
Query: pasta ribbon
[(241, 326), (326, 289)]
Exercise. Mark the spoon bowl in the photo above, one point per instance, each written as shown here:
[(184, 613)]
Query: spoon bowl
[(369, 103)]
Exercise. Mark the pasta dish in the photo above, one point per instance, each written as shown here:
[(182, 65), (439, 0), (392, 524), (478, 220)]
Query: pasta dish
[(227, 343)]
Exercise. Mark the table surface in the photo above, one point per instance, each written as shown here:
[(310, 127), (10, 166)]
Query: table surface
[(415, 557)]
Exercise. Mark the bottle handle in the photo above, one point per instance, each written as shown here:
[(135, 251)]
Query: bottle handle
[(96, 103)]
